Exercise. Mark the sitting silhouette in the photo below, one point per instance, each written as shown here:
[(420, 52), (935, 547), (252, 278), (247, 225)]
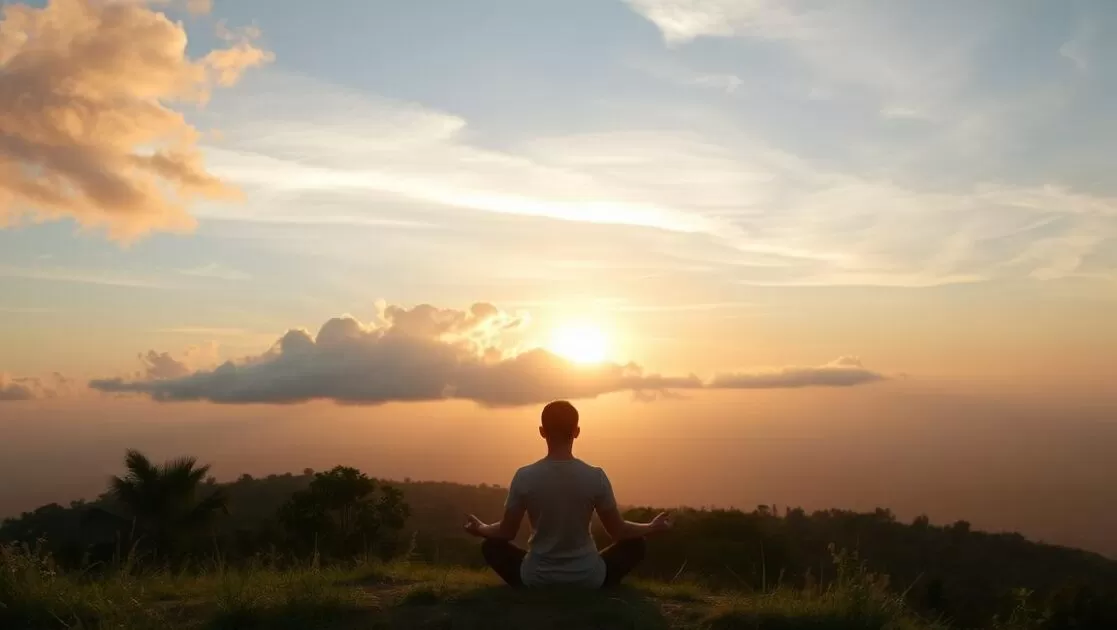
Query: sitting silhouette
[(560, 493)]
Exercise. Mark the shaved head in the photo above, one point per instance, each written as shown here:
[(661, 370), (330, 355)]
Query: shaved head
[(560, 421)]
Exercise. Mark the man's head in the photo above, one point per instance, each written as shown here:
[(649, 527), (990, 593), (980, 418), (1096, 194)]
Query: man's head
[(560, 422)]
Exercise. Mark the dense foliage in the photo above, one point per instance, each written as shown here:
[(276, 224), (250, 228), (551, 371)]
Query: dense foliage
[(947, 572), (338, 513)]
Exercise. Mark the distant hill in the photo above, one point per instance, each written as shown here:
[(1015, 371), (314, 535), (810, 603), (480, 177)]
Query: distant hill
[(949, 571)]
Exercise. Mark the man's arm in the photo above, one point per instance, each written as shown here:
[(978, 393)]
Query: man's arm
[(514, 508), (620, 529), (504, 529), (615, 525)]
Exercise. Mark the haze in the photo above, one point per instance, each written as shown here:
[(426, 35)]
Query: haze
[(847, 255)]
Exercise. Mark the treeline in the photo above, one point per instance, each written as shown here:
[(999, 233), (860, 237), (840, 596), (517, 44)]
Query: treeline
[(946, 571), (173, 514)]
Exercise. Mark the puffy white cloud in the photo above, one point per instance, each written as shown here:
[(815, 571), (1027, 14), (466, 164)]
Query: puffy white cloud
[(428, 353), (85, 127), (32, 387)]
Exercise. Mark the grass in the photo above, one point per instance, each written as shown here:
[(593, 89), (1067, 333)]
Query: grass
[(34, 595)]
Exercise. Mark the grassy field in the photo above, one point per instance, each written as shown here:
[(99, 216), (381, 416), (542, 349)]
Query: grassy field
[(401, 595)]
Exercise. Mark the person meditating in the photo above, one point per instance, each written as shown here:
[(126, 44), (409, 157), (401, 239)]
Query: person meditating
[(560, 493)]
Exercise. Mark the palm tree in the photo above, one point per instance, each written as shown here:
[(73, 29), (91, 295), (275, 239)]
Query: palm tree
[(162, 502)]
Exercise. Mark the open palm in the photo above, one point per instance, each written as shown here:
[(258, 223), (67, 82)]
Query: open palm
[(473, 525), (662, 522)]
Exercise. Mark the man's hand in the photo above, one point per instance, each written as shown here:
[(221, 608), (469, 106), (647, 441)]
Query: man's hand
[(474, 526), (661, 523), (620, 529)]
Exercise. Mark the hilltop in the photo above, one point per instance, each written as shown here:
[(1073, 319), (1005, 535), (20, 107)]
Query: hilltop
[(405, 596), (712, 567)]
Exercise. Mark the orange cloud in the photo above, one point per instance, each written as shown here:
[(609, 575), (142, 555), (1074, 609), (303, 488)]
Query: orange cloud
[(199, 7), (32, 387), (86, 127)]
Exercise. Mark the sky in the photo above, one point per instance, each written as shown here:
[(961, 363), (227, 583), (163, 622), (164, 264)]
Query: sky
[(784, 244)]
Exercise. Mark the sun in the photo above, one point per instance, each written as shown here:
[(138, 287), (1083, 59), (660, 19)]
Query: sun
[(580, 342)]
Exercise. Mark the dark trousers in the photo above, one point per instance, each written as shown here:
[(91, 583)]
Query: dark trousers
[(620, 559)]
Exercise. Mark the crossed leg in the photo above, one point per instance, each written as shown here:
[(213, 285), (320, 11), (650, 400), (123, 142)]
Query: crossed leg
[(620, 559), (504, 558)]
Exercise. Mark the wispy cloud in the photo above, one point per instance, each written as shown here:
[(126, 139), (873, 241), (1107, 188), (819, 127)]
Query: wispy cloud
[(811, 222), (625, 307), (82, 276), (843, 372), (442, 172), (846, 45), (673, 71), (214, 270), (1077, 48), (683, 20), (203, 331), (728, 83)]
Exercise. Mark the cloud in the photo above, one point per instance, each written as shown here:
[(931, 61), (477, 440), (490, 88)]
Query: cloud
[(847, 46), (358, 151), (683, 20), (1077, 48), (86, 130), (901, 113), (742, 206), (844, 372), (426, 353), (161, 365), (205, 331), (216, 271), (728, 83), (199, 7), (32, 387), (81, 276)]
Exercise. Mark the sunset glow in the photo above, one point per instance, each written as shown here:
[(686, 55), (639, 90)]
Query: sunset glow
[(767, 249), (580, 343)]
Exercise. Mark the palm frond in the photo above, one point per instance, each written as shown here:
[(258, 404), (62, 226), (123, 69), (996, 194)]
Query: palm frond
[(199, 474), (126, 490), (179, 465), (139, 466), (162, 499), (180, 476)]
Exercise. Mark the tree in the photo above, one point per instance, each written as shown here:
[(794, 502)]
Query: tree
[(340, 513), (161, 504)]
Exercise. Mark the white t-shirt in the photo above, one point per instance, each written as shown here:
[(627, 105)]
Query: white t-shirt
[(560, 496)]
